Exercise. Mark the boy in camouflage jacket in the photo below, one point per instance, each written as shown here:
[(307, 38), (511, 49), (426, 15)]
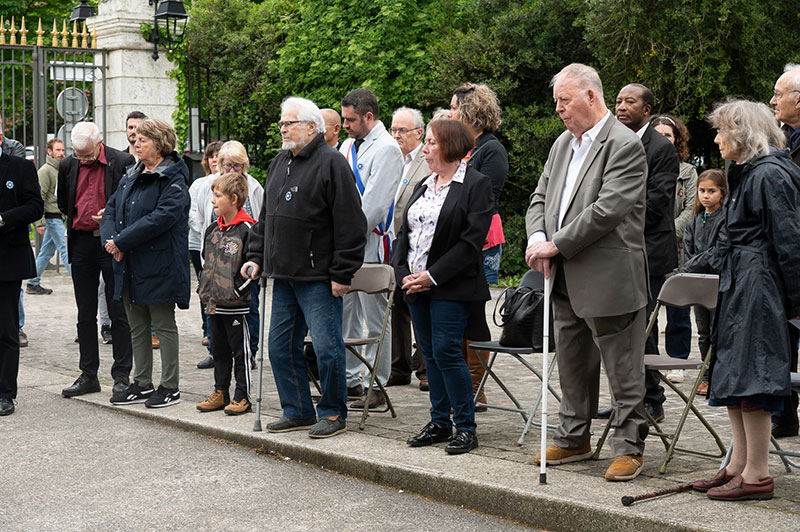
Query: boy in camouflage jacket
[(226, 295)]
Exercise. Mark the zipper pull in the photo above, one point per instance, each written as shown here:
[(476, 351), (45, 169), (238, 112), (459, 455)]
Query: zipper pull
[(311, 255)]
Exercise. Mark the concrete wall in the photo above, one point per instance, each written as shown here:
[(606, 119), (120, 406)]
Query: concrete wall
[(133, 80)]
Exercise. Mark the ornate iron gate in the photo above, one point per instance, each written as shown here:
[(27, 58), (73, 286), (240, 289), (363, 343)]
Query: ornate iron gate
[(42, 90)]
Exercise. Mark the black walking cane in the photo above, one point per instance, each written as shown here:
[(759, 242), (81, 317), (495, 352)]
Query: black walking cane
[(262, 281)]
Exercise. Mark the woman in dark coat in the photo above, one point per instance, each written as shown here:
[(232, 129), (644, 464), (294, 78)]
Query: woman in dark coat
[(758, 256), (477, 107), (438, 265), (145, 228)]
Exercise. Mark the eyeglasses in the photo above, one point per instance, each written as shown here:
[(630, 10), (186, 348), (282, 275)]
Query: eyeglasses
[(778, 95), (402, 130), (288, 123), (237, 167)]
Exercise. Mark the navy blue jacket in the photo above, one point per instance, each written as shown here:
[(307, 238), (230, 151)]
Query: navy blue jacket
[(147, 217)]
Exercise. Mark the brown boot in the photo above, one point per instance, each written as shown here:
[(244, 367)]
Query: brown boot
[(476, 369)]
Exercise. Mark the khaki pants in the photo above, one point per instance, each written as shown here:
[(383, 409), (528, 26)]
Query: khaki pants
[(162, 318)]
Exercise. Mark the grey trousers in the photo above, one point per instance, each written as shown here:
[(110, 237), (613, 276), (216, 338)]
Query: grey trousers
[(360, 308), (581, 344), (163, 319)]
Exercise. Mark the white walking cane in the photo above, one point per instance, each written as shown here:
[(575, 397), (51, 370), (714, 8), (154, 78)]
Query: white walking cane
[(262, 281), (545, 356)]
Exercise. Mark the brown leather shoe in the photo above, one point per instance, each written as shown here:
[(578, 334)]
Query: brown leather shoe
[(625, 467), (423, 384), (376, 399), (737, 490), (702, 388), (156, 342), (216, 401), (558, 455), (394, 380), (719, 479)]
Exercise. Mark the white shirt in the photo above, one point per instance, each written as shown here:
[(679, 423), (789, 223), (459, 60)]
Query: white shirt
[(580, 149), (408, 159), (641, 131)]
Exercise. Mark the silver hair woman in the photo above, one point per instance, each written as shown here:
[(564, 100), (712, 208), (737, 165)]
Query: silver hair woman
[(759, 263)]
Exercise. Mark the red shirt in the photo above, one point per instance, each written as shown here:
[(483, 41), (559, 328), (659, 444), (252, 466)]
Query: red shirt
[(240, 217), (90, 193)]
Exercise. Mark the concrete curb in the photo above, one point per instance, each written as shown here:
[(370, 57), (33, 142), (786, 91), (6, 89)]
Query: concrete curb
[(531, 508)]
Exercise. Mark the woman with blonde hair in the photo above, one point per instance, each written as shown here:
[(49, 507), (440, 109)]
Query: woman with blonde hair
[(758, 256), (477, 107), (231, 157)]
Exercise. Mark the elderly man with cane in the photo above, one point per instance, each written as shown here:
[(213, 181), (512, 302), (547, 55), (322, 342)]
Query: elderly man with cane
[(586, 230), (310, 240)]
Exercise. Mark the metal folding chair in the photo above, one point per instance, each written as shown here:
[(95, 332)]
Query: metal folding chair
[(533, 280), (681, 290), (372, 279)]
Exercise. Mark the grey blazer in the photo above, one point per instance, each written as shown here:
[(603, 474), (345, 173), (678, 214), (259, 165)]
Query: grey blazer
[(416, 173), (380, 163), (601, 241)]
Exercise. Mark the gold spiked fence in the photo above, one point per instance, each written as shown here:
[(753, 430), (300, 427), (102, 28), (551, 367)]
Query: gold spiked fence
[(19, 37)]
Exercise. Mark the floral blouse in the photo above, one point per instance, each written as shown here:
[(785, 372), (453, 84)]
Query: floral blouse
[(423, 215)]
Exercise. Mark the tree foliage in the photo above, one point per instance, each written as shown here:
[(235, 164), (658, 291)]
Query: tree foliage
[(692, 53)]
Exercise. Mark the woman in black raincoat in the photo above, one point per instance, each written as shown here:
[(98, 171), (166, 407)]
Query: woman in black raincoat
[(758, 256)]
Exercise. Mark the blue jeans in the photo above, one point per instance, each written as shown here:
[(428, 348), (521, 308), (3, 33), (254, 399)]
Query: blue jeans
[(298, 307), (678, 335), (491, 263), (439, 326), (54, 239), (21, 311)]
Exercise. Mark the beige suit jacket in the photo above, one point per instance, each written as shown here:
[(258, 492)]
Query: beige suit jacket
[(416, 173), (601, 241)]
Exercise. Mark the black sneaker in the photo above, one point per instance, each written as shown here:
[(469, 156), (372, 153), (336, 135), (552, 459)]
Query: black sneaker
[(37, 290), (132, 395), (164, 397), (105, 332)]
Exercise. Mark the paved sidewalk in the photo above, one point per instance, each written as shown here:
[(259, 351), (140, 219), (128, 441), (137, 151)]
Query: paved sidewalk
[(499, 477)]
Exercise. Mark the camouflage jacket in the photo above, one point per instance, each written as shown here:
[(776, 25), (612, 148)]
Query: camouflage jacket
[(222, 288)]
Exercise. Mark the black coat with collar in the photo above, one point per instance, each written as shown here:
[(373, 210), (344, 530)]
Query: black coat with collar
[(68, 181), (490, 158), (455, 260), (663, 167), (20, 204)]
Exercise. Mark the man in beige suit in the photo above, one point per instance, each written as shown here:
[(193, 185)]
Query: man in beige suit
[(407, 129), (585, 229)]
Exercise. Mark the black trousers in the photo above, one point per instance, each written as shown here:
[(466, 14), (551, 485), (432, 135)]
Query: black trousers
[(88, 260), (9, 338), (401, 340), (230, 342), (198, 269), (654, 392)]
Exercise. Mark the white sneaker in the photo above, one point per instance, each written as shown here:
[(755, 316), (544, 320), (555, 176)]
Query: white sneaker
[(675, 376)]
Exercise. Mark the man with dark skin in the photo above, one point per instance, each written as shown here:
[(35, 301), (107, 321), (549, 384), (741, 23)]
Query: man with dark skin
[(634, 106)]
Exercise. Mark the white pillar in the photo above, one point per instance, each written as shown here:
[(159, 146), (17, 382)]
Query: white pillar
[(134, 82)]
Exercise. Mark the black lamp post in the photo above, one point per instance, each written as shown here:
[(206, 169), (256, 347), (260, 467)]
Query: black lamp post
[(171, 15), (81, 12)]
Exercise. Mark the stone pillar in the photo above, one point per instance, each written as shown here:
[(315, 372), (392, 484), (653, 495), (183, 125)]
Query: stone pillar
[(134, 82)]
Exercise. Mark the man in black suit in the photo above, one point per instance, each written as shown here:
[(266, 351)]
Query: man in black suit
[(20, 204), (132, 121), (635, 103), (86, 180)]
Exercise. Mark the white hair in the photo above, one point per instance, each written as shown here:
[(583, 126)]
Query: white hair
[(307, 111), (586, 76), (416, 117), (85, 135), (794, 68)]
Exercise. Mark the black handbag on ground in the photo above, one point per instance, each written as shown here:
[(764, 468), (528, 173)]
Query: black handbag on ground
[(521, 317)]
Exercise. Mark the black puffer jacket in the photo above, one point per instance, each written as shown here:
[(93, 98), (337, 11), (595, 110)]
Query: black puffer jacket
[(699, 237)]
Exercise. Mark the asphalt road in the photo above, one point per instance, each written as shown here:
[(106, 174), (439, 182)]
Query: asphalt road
[(68, 465)]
